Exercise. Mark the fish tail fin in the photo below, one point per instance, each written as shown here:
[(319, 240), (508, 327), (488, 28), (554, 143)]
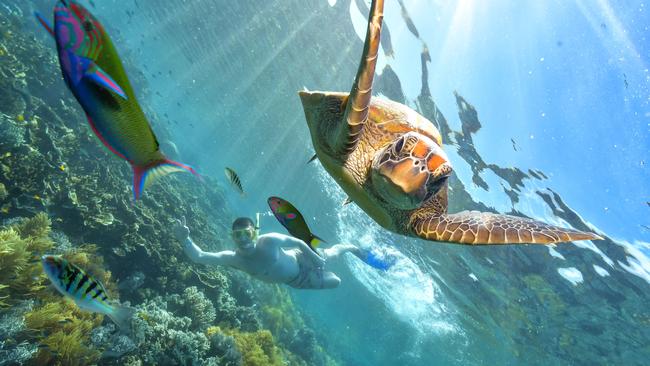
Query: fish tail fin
[(122, 316), (144, 176), (315, 242)]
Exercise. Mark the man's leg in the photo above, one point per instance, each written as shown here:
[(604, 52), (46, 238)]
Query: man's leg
[(314, 278), (330, 280), (338, 249)]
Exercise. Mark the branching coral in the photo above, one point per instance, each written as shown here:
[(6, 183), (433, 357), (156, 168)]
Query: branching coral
[(194, 303), (224, 347), (21, 276), (67, 347), (11, 136), (165, 338), (257, 348)]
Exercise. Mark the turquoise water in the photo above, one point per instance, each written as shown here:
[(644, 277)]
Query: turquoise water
[(562, 93)]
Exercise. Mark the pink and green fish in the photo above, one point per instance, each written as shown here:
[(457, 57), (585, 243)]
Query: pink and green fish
[(289, 216), (94, 73)]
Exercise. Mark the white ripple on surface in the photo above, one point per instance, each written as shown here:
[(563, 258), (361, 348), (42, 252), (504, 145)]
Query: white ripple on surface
[(638, 262), (555, 253), (571, 274), (602, 272)]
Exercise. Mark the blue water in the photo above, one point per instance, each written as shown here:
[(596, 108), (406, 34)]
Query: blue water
[(567, 81)]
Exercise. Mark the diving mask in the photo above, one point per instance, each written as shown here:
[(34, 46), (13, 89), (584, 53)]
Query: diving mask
[(245, 235)]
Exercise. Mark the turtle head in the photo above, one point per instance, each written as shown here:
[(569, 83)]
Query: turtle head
[(410, 170), (324, 113)]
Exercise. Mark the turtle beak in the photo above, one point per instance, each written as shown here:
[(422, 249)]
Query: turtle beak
[(439, 183)]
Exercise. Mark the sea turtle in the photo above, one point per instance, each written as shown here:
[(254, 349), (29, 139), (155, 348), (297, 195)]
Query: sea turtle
[(389, 160)]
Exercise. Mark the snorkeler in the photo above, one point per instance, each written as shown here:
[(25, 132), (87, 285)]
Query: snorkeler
[(273, 257)]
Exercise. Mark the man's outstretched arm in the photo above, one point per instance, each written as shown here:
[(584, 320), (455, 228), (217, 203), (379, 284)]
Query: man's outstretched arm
[(196, 255)]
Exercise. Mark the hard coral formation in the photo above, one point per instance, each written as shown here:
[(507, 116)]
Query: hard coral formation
[(194, 303), (12, 136), (167, 339)]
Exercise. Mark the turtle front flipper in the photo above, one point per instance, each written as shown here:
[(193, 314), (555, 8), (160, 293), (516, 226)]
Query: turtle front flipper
[(356, 111), (473, 228)]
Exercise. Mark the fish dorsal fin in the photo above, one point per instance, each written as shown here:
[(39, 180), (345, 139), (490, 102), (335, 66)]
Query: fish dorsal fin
[(356, 111), (101, 78), (44, 23), (312, 159), (347, 201)]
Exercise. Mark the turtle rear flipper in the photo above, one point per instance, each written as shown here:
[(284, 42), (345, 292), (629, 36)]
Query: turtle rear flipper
[(356, 111), (473, 228)]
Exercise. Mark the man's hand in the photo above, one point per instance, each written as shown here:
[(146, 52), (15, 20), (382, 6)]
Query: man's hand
[(180, 229)]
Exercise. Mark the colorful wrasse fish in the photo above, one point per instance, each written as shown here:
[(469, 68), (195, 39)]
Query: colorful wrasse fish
[(71, 281), (94, 73), (233, 178), (293, 221)]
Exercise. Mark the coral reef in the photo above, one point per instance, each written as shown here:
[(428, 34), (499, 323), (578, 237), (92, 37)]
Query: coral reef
[(12, 136), (165, 338), (194, 303), (21, 277), (257, 349)]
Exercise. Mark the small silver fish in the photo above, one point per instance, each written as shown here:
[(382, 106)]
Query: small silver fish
[(233, 178), (88, 293)]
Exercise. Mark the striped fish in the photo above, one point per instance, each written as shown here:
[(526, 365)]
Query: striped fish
[(233, 178), (92, 70), (89, 294)]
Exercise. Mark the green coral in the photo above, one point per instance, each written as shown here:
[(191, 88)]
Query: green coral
[(280, 315), (21, 276), (63, 331), (257, 348)]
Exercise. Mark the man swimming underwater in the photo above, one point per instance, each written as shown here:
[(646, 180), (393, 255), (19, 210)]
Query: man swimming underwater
[(273, 257)]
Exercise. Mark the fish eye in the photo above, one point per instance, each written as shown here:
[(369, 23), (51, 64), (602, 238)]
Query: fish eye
[(88, 26)]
